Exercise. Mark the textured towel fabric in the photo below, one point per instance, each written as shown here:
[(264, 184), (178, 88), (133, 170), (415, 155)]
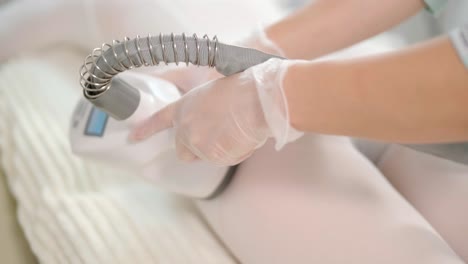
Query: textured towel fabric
[(74, 211), (14, 248)]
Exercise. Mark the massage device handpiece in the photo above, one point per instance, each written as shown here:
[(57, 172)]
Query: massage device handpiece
[(117, 100)]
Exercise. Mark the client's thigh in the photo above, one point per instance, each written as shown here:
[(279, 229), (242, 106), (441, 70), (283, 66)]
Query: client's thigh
[(437, 188), (319, 201)]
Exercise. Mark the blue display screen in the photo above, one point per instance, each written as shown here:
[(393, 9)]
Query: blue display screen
[(96, 124)]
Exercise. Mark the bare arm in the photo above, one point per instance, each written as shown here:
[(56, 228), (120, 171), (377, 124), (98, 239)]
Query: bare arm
[(326, 26), (416, 95)]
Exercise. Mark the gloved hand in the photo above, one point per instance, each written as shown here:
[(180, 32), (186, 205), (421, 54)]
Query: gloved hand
[(225, 120)]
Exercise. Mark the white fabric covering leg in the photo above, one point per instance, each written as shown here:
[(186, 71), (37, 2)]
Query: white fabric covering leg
[(320, 201), (437, 188)]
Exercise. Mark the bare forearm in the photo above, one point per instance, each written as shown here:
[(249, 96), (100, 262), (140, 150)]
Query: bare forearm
[(417, 95), (329, 25)]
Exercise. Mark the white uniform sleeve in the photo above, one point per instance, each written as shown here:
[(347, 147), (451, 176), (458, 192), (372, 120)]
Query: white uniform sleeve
[(435, 7), (459, 39)]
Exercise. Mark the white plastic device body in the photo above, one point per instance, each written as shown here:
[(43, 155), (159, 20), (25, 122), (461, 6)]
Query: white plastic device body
[(96, 136)]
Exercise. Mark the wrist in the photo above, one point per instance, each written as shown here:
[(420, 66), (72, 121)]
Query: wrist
[(316, 93), (296, 76), (268, 82)]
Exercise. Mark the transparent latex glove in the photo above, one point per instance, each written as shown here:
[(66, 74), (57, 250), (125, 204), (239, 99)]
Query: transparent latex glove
[(189, 77), (225, 120)]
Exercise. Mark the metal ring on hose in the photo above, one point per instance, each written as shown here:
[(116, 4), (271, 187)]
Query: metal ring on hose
[(209, 48), (187, 57), (197, 61), (116, 57), (132, 65), (140, 56), (174, 49), (163, 47), (154, 60), (115, 71), (95, 64), (215, 39)]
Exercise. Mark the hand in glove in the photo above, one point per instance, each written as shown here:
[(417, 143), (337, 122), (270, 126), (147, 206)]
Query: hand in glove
[(225, 120)]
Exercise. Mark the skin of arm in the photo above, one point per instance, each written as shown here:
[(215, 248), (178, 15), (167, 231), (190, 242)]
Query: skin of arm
[(325, 26), (415, 95)]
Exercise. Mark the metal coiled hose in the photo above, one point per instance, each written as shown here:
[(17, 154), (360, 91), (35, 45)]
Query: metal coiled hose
[(107, 61)]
